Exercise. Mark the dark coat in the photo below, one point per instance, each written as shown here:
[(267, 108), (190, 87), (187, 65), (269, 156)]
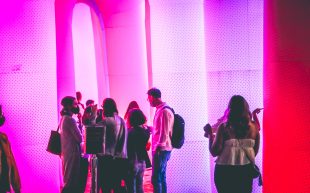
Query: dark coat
[(8, 170), (136, 146)]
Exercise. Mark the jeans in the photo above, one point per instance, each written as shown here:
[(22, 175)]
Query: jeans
[(160, 159), (135, 179)]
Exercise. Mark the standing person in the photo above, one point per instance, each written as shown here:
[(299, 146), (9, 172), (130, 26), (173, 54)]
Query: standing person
[(71, 138), (132, 105), (161, 140), (236, 142), (112, 164), (79, 100), (81, 107), (9, 175), (138, 137)]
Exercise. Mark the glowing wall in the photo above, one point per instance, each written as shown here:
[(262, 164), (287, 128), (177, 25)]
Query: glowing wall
[(196, 49), (179, 70), (85, 67), (234, 58), (203, 52), (286, 96), (28, 89)]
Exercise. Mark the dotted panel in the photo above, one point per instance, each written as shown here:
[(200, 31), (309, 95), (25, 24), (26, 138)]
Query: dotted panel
[(222, 85), (231, 55), (188, 170), (177, 32), (233, 38), (28, 90), (178, 58), (185, 94)]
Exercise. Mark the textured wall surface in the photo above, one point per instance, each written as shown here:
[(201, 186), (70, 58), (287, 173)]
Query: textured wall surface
[(286, 96), (28, 89), (202, 53)]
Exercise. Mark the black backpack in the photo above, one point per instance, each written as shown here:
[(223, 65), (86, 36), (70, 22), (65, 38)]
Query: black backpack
[(178, 137)]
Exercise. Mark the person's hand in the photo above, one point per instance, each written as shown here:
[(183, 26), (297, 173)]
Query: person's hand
[(94, 109), (257, 110), (208, 130)]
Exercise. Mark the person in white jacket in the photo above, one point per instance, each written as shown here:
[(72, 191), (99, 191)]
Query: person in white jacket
[(71, 138)]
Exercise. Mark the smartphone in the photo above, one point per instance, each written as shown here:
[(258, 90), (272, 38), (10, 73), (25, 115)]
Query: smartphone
[(206, 127)]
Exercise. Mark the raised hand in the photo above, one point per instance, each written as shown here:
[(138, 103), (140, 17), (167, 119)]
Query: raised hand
[(257, 110), (208, 130)]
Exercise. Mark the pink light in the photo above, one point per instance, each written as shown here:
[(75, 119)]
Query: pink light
[(84, 52)]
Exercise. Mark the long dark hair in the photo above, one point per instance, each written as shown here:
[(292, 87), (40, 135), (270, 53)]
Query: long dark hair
[(109, 107), (136, 118), (132, 105), (238, 115)]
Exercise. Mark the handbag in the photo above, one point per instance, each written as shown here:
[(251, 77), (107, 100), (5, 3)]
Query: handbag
[(54, 143), (254, 171)]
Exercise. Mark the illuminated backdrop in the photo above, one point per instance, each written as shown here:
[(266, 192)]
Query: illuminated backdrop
[(202, 52)]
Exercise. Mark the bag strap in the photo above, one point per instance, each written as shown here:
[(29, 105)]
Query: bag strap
[(58, 128), (168, 107)]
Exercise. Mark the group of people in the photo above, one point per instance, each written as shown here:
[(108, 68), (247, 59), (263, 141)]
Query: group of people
[(235, 140), (125, 156)]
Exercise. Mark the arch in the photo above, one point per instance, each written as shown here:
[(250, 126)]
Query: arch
[(64, 48)]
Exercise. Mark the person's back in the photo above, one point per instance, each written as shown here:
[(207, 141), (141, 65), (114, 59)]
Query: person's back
[(112, 161), (236, 143), (137, 138), (234, 148), (114, 136)]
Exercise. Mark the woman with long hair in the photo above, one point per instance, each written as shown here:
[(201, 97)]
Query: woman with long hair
[(138, 137), (112, 163), (236, 144)]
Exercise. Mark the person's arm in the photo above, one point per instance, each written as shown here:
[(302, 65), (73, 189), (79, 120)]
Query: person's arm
[(255, 118), (15, 178), (257, 141), (166, 123), (75, 131), (14, 175), (216, 143), (2, 118), (121, 138)]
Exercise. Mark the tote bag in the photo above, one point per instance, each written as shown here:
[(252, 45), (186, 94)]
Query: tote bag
[(54, 143)]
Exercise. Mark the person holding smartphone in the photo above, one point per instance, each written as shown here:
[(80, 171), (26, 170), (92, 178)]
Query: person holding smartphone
[(9, 176), (235, 145)]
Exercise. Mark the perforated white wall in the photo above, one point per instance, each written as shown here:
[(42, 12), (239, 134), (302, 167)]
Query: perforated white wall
[(179, 70), (234, 55), (203, 52), (28, 89)]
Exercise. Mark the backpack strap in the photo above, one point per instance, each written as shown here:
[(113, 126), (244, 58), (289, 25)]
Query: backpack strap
[(167, 107)]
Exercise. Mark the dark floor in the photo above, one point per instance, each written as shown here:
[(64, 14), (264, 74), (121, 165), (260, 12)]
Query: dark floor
[(148, 188)]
